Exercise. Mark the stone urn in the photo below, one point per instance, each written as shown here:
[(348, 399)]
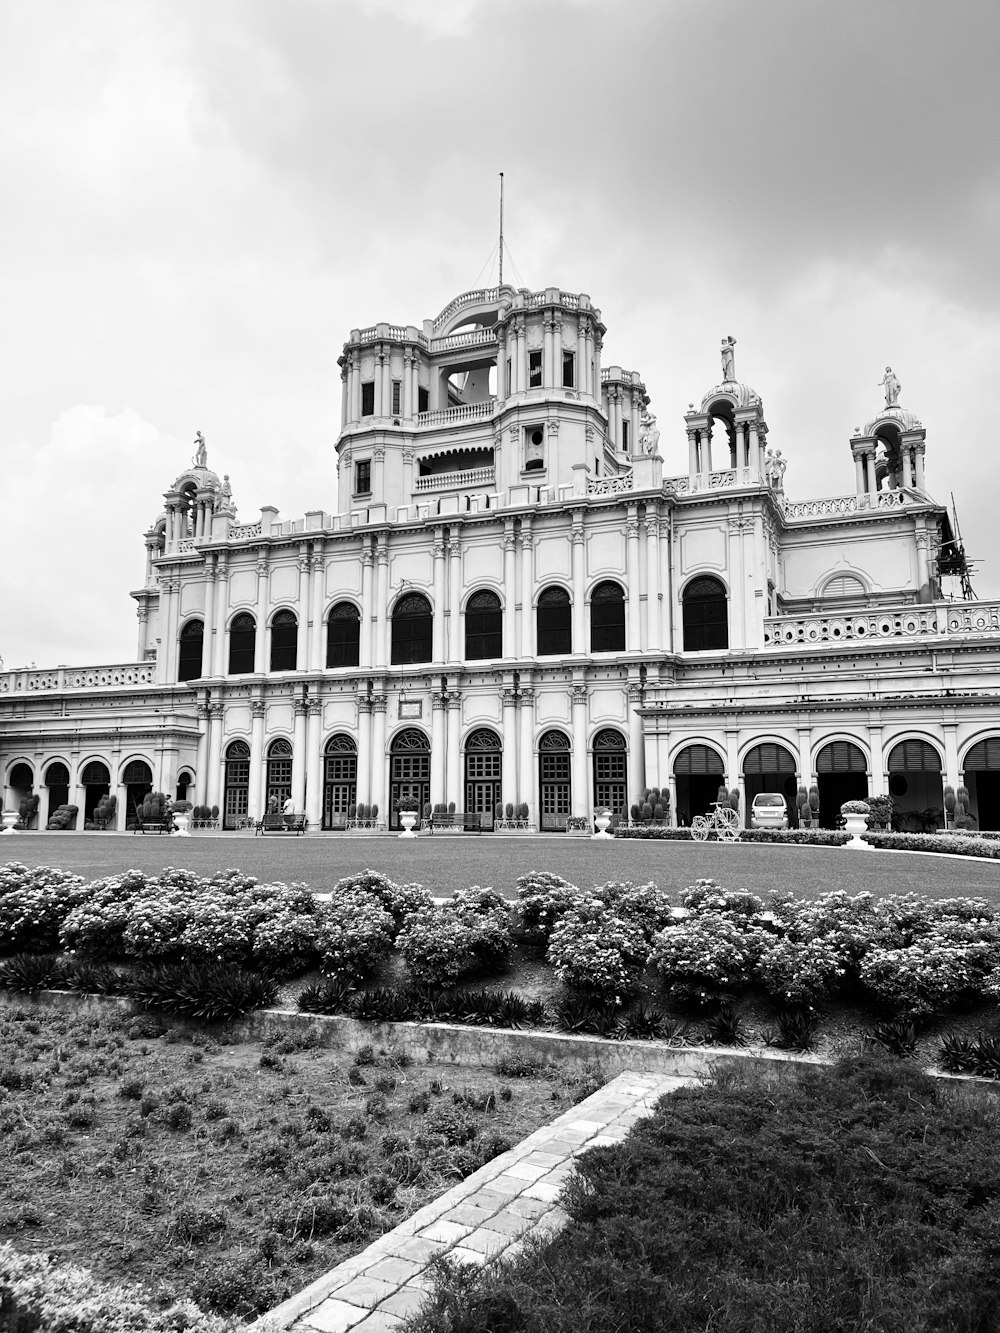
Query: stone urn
[(603, 821), (182, 826), (407, 818), (9, 818), (855, 815)]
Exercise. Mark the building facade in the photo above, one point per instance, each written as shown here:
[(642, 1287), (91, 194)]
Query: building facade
[(517, 601)]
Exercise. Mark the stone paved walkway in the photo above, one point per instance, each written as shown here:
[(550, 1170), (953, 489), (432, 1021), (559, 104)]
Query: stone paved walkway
[(487, 1215)]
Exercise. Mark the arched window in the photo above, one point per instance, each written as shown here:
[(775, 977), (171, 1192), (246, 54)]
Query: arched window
[(483, 767), (95, 774), (190, 652), (483, 627), (706, 616), (343, 636), (236, 792), (242, 644), (279, 771), (844, 586), (340, 779), (412, 630), (554, 622), (554, 778), (607, 619), (409, 771), (284, 641), (610, 777)]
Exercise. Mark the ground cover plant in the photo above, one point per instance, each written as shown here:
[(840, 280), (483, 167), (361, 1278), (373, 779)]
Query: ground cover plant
[(861, 1196), (233, 1173)]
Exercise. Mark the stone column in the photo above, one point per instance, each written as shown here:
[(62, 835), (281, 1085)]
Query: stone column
[(527, 786), (653, 641), (919, 461), (437, 637), (407, 403), (509, 591), (636, 757), (439, 773), (302, 604), (317, 656), (508, 755), (859, 473), (952, 775), (522, 355), (548, 372), (381, 654), (299, 755), (633, 640), (208, 641), (872, 478), (314, 765), (201, 761), (379, 382), (581, 354), (907, 469), (502, 387), (692, 454), (580, 642), (581, 784), (379, 774), (526, 647), (214, 718), (368, 615), (364, 748), (219, 665), (557, 350), (453, 780), (142, 615), (261, 663), (255, 794), (454, 599)]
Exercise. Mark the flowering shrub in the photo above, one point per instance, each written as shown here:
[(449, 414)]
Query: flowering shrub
[(487, 914), (953, 963), (705, 895), (956, 844), (855, 808), (96, 927), (287, 941), (706, 955), (799, 972), (644, 904), (213, 933), (399, 900), (43, 1293), (595, 951), (542, 899), (436, 945), (34, 904), (352, 935)]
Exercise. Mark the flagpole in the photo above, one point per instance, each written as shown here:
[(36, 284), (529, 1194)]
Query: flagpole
[(501, 229)]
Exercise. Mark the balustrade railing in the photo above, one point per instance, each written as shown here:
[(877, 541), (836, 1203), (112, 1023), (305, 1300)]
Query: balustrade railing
[(33, 681), (447, 416), (610, 485), (456, 481), (838, 505), (242, 531), (481, 296), (933, 620), (471, 338)]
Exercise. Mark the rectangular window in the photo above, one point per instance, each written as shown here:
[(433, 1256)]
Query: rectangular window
[(509, 385), (397, 394), (422, 399), (363, 477), (368, 398), (625, 437), (534, 370), (569, 370)]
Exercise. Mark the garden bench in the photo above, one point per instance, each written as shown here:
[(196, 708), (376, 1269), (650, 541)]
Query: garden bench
[(163, 825), (282, 824), (456, 821)]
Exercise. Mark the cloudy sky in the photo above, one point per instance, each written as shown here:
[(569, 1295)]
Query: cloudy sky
[(202, 197)]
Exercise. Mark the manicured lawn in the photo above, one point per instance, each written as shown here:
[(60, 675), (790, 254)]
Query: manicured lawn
[(444, 864), (233, 1172)]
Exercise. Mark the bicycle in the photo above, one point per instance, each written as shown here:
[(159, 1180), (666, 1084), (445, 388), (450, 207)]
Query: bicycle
[(724, 822)]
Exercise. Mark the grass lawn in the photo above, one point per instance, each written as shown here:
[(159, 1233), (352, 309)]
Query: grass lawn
[(234, 1173), (444, 864), (862, 1197)]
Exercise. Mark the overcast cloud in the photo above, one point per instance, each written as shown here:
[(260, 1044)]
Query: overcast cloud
[(202, 199)]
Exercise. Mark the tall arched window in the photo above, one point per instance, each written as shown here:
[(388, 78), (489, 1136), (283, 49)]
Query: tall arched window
[(340, 779), (343, 636), (554, 776), (706, 616), (607, 619), (284, 641), (279, 771), (554, 623), (242, 644), (610, 775), (483, 627), (412, 630), (236, 791), (189, 656)]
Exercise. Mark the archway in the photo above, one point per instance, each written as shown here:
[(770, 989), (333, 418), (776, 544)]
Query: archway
[(279, 774), (409, 772), (699, 772), (340, 779), (915, 785), (841, 775), (137, 779), (981, 773), (554, 781), (705, 615), (57, 785), (96, 782), (236, 787), (483, 763), (611, 773), (21, 782), (769, 767)]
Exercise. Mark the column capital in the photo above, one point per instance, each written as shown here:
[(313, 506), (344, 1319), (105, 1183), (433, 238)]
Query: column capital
[(378, 703), (300, 707), (580, 694), (367, 556), (454, 548), (315, 707), (382, 553), (262, 568), (632, 529), (454, 698), (364, 703), (379, 454), (634, 692), (408, 456), (438, 550), (508, 541), (509, 697)]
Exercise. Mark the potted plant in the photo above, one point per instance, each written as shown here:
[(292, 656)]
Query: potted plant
[(602, 818), (9, 818), (855, 815), (181, 811), (408, 810)]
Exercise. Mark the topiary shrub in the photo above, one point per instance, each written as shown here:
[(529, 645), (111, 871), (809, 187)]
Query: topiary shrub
[(509, 810)]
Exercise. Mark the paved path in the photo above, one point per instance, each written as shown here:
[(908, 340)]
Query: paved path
[(488, 1215)]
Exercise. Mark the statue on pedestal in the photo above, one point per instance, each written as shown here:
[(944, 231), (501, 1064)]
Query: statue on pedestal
[(201, 451), (728, 359), (892, 387), (224, 503), (774, 469), (649, 435)]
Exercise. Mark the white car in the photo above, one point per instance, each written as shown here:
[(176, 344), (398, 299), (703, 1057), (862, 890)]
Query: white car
[(769, 810)]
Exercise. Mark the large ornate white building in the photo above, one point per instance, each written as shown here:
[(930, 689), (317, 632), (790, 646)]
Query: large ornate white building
[(520, 600)]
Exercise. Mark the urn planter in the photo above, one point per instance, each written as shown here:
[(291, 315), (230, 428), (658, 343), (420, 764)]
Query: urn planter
[(9, 818), (856, 825), (407, 818)]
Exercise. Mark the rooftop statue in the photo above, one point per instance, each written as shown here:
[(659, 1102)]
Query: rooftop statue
[(201, 451), (892, 387), (728, 359), (224, 502), (649, 435), (774, 468)]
